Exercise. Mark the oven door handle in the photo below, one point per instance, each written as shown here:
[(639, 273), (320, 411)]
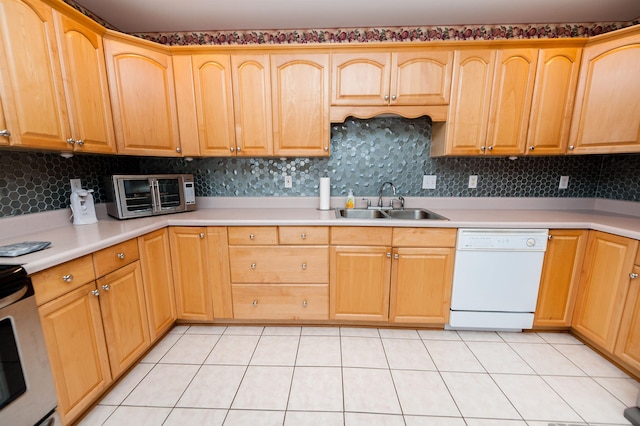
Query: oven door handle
[(155, 195), (13, 297)]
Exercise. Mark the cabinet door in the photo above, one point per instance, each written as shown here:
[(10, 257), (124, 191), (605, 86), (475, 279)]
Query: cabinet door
[(359, 283), (143, 99), (511, 101), (603, 288), (86, 88), (605, 118), (155, 263), (628, 342), (30, 77), (189, 254), (421, 281), (553, 98), (360, 78), (560, 278), (421, 78), (251, 76), (73, 332), (124, 315), (219, 271), (214, 104), (300, 90), (466, 127)]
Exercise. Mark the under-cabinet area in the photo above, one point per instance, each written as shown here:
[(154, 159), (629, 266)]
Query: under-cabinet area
[(101, 312)]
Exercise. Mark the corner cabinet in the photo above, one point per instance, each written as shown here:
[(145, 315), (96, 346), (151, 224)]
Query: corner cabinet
[(605, 118), (141, 85)]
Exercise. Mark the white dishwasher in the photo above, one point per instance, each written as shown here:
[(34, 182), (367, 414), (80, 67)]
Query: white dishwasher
[(496, 278)]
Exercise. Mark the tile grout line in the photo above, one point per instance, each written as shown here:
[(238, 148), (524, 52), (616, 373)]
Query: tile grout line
[(293, 373)]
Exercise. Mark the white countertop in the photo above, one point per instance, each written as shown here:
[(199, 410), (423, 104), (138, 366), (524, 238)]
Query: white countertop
[(69, 241)]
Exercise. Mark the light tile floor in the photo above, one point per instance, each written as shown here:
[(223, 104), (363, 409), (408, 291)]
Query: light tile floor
[(212, 375)]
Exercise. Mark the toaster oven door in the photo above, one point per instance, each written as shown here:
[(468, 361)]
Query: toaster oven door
[(168, 194), (136, 197)]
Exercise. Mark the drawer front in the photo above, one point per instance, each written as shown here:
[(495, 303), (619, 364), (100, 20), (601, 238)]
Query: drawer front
[(283, 302), (360, 236), (114, 257), (279, 264), (309, 235), (61, 279), (253, 235), (424, 237)]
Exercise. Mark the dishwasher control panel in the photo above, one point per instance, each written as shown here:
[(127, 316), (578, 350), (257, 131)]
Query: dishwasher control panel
[(502, 239)]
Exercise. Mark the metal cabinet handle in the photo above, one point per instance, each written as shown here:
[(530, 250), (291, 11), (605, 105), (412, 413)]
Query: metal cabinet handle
[(490, 148), (5, 134), (238, 149), (483, 148), (201, 235), (255, 303), (326, 149), (633, 275), (178, 149), (71, 141), (303, 236), (120, 255), (95, 293), (386, 97), (571, 147), (396, 256), (80, 142), (531, 148), (232, 149), (253, 266), (106, 287), (67, 278), (389, 254), (550, 237), (252, 237), (394, 97), (304, 303), (304, 266)]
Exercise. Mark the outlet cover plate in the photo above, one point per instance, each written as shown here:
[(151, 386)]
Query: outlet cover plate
[(473, 181), (564, 182), (76, 184), (288, 182), (429, 181)]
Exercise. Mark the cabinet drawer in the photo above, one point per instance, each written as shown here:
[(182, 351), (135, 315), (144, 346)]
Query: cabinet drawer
[(424, 237), (284, 302), (303, 235), (279, 264), (253, 235), (114, 257), (360, 236), (61, 279)]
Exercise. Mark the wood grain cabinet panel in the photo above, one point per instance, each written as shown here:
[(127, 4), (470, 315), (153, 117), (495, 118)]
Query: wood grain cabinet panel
[(303, 235), (281, 301), (560, 277), (628, 342), (603, 288), (114, 257), (31, 87), (360, 78), (61, 279), (253, 235)]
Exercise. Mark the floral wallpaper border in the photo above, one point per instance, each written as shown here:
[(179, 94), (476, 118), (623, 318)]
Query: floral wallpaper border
[(366, 35)]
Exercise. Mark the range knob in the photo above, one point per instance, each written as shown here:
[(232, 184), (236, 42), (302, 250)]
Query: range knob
[(531, 242)]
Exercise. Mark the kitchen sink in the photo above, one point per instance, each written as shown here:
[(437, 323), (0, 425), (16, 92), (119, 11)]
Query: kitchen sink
[(408, 214)]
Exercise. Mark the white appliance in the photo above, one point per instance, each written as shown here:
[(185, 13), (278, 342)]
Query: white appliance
[(82, 207), (496, 278)]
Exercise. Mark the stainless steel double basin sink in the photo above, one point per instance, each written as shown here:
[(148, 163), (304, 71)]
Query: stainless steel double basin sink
[(408, 214)]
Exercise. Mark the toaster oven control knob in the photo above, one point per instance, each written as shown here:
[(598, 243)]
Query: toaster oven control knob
[(5, 133), (531, 242), (106, 287), (67, 278), (120, 255)]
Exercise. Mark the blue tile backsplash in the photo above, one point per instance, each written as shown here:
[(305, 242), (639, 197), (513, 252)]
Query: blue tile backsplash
[(364, 153)]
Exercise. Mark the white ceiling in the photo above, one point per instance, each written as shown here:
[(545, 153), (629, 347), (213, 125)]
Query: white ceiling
[(134, 16)]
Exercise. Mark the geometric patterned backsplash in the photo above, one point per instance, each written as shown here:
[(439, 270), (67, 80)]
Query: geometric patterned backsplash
[(364, 153)]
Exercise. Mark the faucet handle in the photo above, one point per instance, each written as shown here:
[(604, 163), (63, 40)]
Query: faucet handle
[(368, 202), (400, 199)]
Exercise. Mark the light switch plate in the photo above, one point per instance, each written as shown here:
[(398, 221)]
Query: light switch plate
[(473, 181), (76, 184), (564, 182), (429, 182), (288, 182)]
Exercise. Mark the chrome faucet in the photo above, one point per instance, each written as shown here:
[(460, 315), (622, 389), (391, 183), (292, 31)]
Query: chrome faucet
[(393, 188)]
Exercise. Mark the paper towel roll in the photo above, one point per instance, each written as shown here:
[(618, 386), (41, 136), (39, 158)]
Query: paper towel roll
[(325, 193)]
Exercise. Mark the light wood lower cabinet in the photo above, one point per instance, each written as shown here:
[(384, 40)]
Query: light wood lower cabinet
[(628, 343), (560, 277), (73, 331), (279, 264), (603, 288), (281, 301)]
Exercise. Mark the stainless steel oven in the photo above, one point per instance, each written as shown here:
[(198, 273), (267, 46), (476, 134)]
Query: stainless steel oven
[(27, 393), (130, 196)]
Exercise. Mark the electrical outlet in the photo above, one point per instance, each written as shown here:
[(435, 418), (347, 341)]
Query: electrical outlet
[(564, 182), (429, 181), (288, 182), (473, 181), (76, 184)]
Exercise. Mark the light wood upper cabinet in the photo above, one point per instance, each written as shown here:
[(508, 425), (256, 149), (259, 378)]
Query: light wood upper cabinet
[(189, 254), (606, 118), (73, 333), (511, 95), (628, 342), (31, 88), (86, 87), (205, 104), (603, 288), (405, 77), (143, 99), (300, 93), (465, 131), (124, 315), (553, 99), (155, 265), (251, 81), (560, 277)]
